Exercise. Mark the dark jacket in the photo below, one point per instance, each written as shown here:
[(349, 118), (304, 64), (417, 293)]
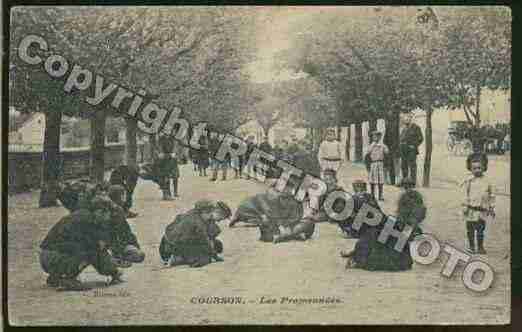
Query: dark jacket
[(410, 139), (166, 166), (126, 176), (250, 148), (120, 234), (307, 162), (411, 209), (202, 154), (282, 211), (76, 234), (265, 147), (213, 147), (189, 236)]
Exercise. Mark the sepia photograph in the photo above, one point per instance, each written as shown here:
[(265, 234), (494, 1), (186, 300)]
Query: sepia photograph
[(257, 165)]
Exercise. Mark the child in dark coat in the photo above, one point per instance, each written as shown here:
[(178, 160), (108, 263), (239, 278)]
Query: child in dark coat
[(166, 169)]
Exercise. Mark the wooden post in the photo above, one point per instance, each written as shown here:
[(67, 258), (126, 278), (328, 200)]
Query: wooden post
[(429, 148), (348, 142), (358, 141), (131, 145), (391, 139)]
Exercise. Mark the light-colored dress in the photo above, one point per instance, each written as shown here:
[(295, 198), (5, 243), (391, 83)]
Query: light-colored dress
[(479, 202), (377, 153), (330, 155)]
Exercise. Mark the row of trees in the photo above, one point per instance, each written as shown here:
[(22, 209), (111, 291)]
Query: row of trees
[(187, 57), (379, 62)]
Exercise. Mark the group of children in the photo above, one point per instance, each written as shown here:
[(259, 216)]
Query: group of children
[(192, 237), (204, 158), (330, 157), (479, 195)]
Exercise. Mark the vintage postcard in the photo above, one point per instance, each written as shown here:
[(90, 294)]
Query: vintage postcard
[(229, 165)]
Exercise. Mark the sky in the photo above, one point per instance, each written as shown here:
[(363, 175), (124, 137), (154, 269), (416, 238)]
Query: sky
[(273, 35)]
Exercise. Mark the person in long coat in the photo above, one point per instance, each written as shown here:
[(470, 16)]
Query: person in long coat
[(410, 140), (372, 255)]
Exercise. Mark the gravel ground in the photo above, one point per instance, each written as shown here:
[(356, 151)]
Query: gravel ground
[(260, 275)]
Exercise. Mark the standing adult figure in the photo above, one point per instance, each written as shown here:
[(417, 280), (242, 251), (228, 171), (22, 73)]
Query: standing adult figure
[(410, 139)]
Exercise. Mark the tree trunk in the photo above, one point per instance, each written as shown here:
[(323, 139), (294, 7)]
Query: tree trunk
[(338, 130), (391, 139), (131, 145), (477, 107), (348, 142), (314, 139), (372, 125), (51, 163), (266, 131), (98, 146), (358, 142), (322, 134), (153, 147), (429, 148)]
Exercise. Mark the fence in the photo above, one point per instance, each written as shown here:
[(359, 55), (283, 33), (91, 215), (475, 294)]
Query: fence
[(25, 167)]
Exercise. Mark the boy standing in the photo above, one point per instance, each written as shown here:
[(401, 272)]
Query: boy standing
[(166, 169), (479, 203)]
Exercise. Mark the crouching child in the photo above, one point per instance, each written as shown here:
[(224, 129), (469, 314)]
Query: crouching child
[(91, 234), (191, 239)]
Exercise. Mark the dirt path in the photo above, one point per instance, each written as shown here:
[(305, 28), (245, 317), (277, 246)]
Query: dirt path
[(253, 270)]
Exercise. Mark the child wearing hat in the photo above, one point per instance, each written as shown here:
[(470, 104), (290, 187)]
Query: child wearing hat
[(479, 202), (375, 163), (411, 209)]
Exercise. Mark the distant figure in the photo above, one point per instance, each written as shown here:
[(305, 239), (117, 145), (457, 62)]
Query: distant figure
[(237, 164), (202, 156), (330, 154), (377, 153), (126, 176), (307, 161), (248, 169), (479, 201), (193, 154), (411, 209), (216, 164), (293, 147), (265, 145), (166, 169), (285, 152), (506, 142), (410, 139), (267, 148)]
